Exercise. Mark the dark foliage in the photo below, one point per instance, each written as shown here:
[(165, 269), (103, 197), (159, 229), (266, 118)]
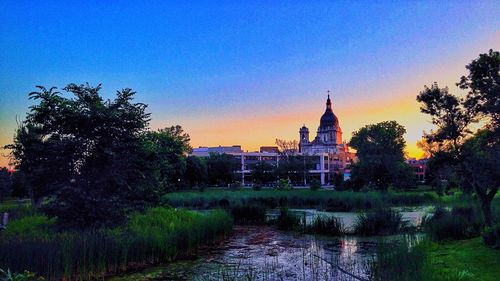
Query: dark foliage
[(380, 222), (326, 226), (248, 214), (380, 150), (6, 183), (459, 223), (196, 171), (491, 236), (85, 155), (221, 169)]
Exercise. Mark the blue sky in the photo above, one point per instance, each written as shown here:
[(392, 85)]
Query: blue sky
[(217, 67)]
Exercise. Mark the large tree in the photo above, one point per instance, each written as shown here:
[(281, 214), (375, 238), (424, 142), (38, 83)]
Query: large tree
[(472, 157), (222, 169), (85, 155), (196, 174), (166, 153), (380, 151), (291, 165), (6, 180)]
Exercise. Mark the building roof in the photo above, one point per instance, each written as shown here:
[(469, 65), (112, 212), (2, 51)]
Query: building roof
[(328, 119)]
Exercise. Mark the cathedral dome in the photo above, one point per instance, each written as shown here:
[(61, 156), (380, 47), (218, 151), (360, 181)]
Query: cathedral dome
[(328, 119)]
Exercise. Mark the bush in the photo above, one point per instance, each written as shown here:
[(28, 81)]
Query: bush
[(380, 222), (491, 236), (327, 226), (315, 185), (248, 214), (459, 223), (284, 184)]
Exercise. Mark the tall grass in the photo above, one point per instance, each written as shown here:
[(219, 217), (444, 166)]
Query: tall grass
[(326, 200), (326, 226), (459, 223), (400, 261), (30, 226), (288, 220), (380, 222), (158, 235)]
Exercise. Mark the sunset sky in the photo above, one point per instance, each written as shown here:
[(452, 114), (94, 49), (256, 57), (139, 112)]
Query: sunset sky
[(247, 73)]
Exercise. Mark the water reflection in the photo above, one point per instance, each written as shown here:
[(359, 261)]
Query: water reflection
[(267, 254)]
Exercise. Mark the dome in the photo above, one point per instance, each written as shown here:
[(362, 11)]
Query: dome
[(328, 119)]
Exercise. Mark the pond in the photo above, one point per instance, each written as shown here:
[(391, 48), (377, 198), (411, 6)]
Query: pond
[(266, 253), (413, 215)]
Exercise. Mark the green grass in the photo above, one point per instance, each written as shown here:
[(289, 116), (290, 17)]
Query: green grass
[(17, 209), (158, 235), (303, 198), (30, 226), (468, 258)]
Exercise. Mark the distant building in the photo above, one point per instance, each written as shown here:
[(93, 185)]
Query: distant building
[(419, 168), (204, 151), (269, 149), (328, 141), (327, 155)]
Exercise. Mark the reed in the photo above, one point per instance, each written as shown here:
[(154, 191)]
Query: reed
[(326, 226), (158, 235), (321, 199), (380, 222)]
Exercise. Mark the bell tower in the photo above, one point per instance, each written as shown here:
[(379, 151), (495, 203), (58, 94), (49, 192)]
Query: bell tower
[(304, 134)]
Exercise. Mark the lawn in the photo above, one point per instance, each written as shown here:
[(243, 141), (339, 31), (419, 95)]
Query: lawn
[(464, 260)]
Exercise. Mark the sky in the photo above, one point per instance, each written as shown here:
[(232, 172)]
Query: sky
[(241, 72)]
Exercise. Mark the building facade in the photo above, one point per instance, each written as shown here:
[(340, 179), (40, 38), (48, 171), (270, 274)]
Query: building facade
[(326, 156)]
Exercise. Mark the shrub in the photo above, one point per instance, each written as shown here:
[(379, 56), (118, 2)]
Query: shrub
[(327, 226), (248, 214), (459, 223), (380, 222), (315, 185), (491, 236), (284, 184)]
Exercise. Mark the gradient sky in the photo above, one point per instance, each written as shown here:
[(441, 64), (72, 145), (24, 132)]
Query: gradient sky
[(245, 73)]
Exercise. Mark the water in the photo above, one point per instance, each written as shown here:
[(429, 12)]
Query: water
[(413, 215), (265, 253)]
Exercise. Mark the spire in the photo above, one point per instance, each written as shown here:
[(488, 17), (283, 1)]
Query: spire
[(328, 101)]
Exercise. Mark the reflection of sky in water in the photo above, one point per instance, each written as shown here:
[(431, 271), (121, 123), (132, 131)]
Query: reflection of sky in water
[(413, 215), (265, 253)]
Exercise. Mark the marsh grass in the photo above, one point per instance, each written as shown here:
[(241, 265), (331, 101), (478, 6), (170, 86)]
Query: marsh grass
[(158, 235), (303, 198), (288, 220), (30, 226), (326, 226), (380, 222), (460, 223), (400, 261)]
